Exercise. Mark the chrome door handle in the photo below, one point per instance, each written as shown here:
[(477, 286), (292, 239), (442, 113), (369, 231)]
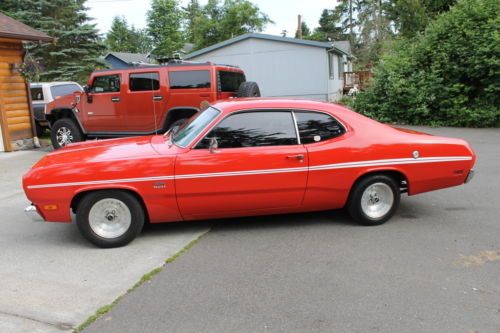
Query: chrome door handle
[(299, 157), (157, 98), (115, 99)]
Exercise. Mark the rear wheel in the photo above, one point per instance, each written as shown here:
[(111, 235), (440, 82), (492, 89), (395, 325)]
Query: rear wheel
[(63, 132), (249, 89), (374, 200), (110, 218)]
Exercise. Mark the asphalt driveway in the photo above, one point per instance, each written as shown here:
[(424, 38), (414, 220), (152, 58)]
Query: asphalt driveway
[(52, 280), (435, 267)]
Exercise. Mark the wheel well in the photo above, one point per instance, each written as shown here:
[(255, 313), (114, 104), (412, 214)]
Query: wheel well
[(398, 176), (76, 200), (179, 113), (57, 114)]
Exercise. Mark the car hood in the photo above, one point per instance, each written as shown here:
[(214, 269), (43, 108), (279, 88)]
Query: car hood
[(100, 151)]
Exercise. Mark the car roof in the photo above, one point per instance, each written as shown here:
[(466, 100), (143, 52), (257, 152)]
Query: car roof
[(239, 104), (51, 84)]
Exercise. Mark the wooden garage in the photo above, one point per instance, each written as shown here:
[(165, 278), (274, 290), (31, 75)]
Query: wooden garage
[(16, 121)]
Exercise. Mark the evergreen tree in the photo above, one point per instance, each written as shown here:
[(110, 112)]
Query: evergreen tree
[(76, 52), (164, 27), (192, 12), (122, 38)]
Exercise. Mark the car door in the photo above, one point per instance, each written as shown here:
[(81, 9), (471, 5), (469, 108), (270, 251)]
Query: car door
[(258, 168), (145, 101), (104, 108)]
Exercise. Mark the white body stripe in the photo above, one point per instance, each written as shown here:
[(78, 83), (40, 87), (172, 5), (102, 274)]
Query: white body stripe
[(396, 161)]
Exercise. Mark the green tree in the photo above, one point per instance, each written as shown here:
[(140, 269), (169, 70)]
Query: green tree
[(192, 13), (449, 75), (164, 27), (222, 21), (122, 38), (77, 49)]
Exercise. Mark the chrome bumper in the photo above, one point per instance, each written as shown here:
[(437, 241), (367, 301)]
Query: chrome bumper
[(469, 177), (33, 214)]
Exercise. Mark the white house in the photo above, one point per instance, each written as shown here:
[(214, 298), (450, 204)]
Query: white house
[(283, 66)]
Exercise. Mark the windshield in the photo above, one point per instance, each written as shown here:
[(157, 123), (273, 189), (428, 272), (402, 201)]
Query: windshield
[(192, 129)]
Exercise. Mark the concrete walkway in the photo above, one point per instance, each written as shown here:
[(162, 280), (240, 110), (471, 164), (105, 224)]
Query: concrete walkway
[(52, 280)]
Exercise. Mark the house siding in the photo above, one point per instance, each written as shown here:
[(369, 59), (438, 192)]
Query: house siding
[(15, 115), (281, 69)]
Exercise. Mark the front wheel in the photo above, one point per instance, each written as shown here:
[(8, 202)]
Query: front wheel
[(374, 200), (110, 218), (63, 132)]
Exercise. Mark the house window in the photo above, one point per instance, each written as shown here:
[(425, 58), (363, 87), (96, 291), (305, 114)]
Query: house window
[(341, 67), (331, 65)]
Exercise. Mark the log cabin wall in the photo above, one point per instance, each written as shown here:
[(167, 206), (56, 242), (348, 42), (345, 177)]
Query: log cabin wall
[(15, 117)]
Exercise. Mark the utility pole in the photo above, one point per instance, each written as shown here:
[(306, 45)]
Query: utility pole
[(299, 28)]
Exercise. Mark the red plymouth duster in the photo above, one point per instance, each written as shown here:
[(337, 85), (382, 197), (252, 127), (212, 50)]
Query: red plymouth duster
[(243, 158)]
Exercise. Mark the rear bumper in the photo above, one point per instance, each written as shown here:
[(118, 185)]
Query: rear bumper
[(32, 212), (469, 176)]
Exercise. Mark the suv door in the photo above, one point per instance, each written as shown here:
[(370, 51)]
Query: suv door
[(258, 168), (103, 106), (144, 102), (189, 87)]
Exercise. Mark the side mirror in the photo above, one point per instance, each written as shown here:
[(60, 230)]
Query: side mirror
[(214, 145)]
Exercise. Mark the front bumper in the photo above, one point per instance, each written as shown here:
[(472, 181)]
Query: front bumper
[(33, 213), (469, 177)]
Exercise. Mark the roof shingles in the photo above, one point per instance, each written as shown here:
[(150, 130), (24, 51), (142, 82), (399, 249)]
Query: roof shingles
[(10, 28)]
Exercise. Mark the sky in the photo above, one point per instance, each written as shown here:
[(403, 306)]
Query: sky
[(282, 12)]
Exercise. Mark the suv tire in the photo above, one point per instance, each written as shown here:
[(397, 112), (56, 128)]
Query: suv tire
[(249, 89), (63, 132)]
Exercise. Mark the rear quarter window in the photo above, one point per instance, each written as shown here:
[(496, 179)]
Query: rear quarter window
[(316, 127), (36, 94), (189, 79), (229, 81)]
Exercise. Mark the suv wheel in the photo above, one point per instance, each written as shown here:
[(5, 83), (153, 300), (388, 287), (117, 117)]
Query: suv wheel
[(63, 132), (249, 89)]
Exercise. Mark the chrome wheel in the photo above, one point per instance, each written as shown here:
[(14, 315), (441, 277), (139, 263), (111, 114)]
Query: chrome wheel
[(377, 200), (64, 136), (110, 218)]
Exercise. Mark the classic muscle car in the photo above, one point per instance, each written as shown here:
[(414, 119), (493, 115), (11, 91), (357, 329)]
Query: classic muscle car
[(243, 158)]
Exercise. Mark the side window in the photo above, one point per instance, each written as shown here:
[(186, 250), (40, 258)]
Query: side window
[(36, 94), (106, 83), (64, 89), (189, 79), (144, 82), (316, 127), (253, 129)]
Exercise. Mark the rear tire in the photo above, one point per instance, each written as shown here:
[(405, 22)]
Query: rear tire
[(63, 132), (249, 89), (110, 218), (374, 200)]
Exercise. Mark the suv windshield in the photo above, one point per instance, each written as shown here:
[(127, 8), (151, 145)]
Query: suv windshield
[(192, 129)]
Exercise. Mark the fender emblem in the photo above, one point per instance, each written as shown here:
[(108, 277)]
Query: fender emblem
[(159, 185), (415, 154)]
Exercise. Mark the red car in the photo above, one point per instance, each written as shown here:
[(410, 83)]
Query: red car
[(242, 158)]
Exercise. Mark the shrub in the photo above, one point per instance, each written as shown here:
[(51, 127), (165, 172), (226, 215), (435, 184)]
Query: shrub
[(449, 75)]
